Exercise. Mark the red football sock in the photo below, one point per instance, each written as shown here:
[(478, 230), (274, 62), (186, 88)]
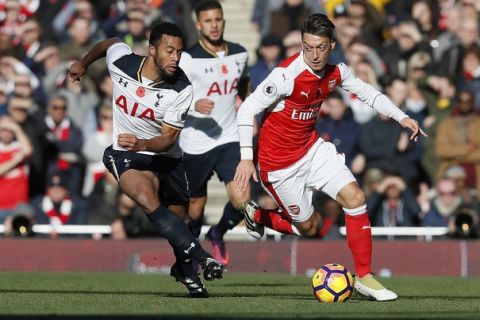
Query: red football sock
[(359, 237), (274, 219)]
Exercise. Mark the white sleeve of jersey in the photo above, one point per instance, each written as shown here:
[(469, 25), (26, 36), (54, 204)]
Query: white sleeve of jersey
[(186, 63), (176, 114), (276, 86), (369, 95), (116, 51)]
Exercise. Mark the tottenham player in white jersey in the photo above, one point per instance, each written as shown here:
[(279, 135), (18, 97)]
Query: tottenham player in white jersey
[(294, 161), (151, 96), (218, 72)]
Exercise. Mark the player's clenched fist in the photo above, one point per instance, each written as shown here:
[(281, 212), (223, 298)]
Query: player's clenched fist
[(130, 142), (76, 71)]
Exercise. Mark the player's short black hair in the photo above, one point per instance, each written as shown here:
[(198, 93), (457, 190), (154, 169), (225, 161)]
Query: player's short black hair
[(162, 28), (205, 5), (319, 25)]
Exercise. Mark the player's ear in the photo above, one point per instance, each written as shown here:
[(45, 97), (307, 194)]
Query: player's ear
[(151, 50), (332, 44), (197, 25)]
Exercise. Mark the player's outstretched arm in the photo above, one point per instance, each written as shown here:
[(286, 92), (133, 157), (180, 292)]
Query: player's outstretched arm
[(78, 69), (413, 125)]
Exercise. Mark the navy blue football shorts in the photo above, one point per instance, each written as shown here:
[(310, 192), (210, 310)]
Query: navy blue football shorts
[(222, 160), (170, 171)]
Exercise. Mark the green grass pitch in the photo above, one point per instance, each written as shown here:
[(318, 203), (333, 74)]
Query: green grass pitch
[(238, 296)]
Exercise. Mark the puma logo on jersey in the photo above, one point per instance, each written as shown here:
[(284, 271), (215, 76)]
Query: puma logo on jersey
[(127, 162), (303, 93)]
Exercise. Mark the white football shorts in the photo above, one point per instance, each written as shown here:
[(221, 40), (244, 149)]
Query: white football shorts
[(322, 168)]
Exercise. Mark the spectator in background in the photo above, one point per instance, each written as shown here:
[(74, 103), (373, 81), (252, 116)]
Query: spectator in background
[(363, 15), (450, 26), (458, 140), (81, 100), (393, 204), (451, 61), (398, 53), (93, 147), (30, 39), (468, 194), (45, 62), (292, 43), (269, 54), (443, 205), (426, 14), (384, 144), (58, 207), (65, 143), (362, 113), (15, 147), (339, 127), (32, 123), (471, 74), (135, 32)]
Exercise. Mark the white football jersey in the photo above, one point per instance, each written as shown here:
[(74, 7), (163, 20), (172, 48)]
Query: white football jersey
[(215, 78), (140, 105)]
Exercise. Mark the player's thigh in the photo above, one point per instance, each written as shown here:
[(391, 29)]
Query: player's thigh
[(141, 187), (328, 170), (199, 169), (288, 188)]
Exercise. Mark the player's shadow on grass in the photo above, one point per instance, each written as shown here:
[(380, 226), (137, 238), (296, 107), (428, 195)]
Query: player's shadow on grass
[(154, 293)]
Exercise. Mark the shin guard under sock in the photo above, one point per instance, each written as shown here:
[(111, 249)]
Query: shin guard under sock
[(173, 228), (359, 238)]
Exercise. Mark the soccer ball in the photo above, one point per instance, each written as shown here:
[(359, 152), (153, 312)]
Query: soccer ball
[(332, 283)]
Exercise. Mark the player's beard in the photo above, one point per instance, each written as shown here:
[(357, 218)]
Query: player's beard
[(216, 43)]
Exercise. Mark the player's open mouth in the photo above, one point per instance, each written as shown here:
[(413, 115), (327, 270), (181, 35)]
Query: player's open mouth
[(172, 68)]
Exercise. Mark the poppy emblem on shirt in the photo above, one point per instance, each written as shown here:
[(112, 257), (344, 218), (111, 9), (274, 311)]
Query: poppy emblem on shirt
[(140, 92), (224, 69), (318, 93), (294, 209), (332, 84)]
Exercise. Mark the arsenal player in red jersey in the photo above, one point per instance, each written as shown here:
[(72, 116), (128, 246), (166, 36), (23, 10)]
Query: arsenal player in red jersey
[(293, 160)]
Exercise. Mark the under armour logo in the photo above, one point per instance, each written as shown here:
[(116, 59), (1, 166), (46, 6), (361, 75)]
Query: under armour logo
[(239, 66), (123, 82), (127, 162), (207, 70), (192, 245), (303, 93), (159, 96)]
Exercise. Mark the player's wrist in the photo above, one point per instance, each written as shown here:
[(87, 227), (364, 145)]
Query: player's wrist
[(246, 153)]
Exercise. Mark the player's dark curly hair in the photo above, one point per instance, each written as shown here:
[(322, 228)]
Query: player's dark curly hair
[(162, 28), (205, 5), (318, 24)]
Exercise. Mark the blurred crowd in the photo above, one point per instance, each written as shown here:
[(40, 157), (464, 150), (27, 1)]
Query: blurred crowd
[(424, 54)]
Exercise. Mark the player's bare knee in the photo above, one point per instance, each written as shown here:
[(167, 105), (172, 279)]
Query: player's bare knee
[(196, 207), (357, 200), (308, 228)]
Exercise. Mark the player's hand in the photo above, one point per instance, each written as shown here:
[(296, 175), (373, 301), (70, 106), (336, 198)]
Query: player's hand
[(204, 106), (245, 170), (131, 143), (413, 125), (76, 71)]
